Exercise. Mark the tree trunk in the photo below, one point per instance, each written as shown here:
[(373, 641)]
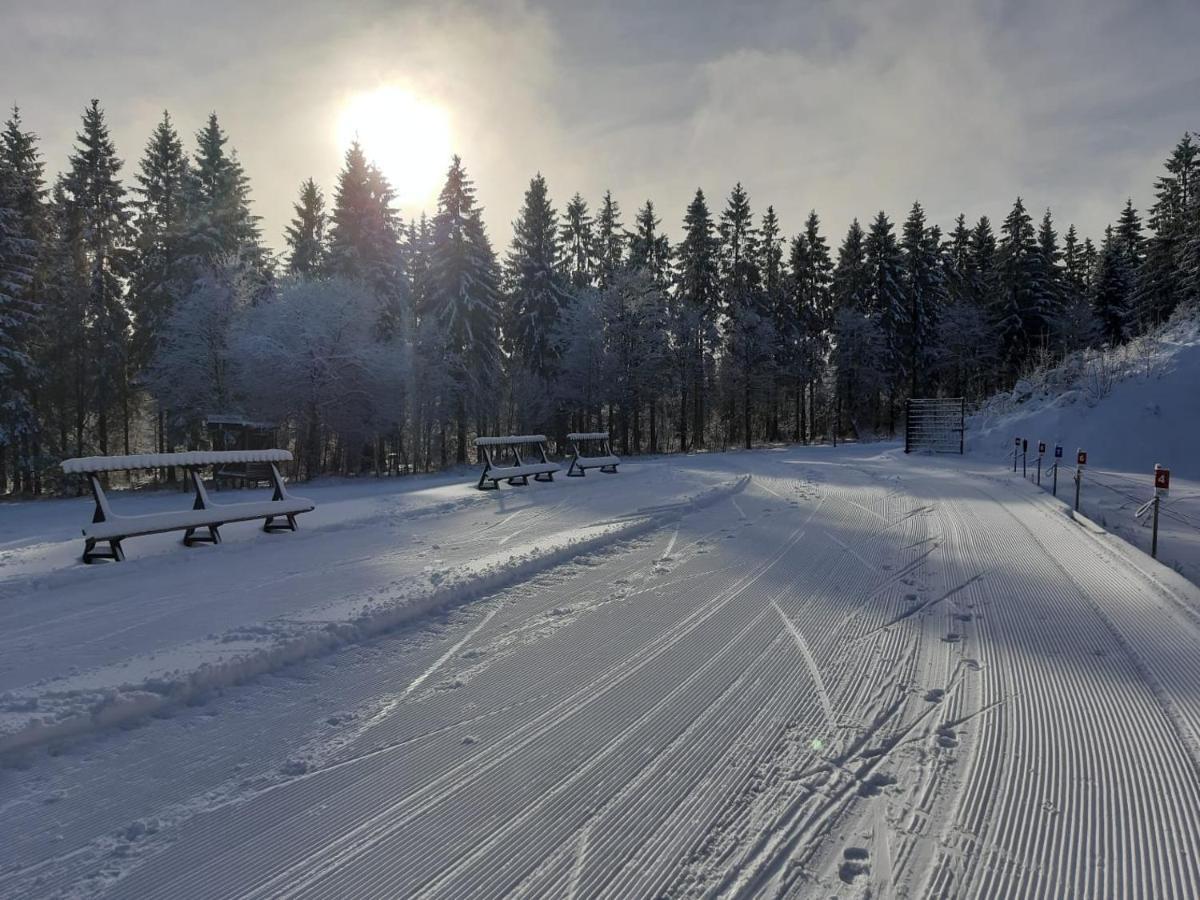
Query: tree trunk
[(683, 416)]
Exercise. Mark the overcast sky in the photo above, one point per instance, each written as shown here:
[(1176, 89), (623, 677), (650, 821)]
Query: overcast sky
[(846, 106)]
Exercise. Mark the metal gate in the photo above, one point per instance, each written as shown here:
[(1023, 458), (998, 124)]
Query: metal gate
[(935, 424)]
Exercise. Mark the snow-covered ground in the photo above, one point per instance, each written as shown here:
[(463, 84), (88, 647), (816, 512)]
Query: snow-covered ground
[(777, 673)]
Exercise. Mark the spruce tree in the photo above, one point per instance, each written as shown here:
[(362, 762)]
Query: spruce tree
[(305, 235), (888, 303), (857, 346), (537, 293), (98, 239), (1111, 289), (1162, 280), (698, 295), (925, 292), (1076, 325), (1049, 269), (23, 232), (609, 248), (1023, 312), (463, 297), (162, 268), (809, 318), (222, 225), (17, 260), (576, 242), (364, 239), (749, 338), (649, 249)]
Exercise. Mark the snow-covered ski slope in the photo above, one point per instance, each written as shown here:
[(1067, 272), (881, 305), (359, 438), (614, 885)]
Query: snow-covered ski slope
[(844, 673)]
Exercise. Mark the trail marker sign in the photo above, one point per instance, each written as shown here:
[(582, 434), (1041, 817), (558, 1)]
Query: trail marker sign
[(1162, 479), (1041, 448), (1058, 451), (1017, 441), (1081, 457)]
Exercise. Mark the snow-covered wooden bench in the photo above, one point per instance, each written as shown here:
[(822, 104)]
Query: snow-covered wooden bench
[(595, 443), (496, 468), (111, 528)]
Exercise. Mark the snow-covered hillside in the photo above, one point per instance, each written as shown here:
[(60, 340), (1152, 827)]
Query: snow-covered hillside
[(1130, 408)]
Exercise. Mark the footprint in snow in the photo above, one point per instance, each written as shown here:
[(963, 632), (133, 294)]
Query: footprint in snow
[(855, 862)]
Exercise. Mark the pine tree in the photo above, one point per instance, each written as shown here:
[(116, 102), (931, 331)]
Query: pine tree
[(306, 234), (1076, 325), (958, 262), (749, 337), (162, 268), (17, 260), (463, 298), (98, 238), (364, 239), (925, 290), (1111, 290), (1024, 312), (650, 250), (852, 282), (222, 224), (576, 242), (536, 291), (609, 248), (1049, 269), (888, 303), (857, 341), (964, 348), (1162, 280), (698, 295), (804, 335), (22, 232)]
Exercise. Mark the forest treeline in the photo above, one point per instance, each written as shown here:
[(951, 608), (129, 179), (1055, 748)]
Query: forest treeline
[(135, 305)]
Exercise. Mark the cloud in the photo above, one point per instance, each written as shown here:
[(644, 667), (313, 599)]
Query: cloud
[(846, 107)]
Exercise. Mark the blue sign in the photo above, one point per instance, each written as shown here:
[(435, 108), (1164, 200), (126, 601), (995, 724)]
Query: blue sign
[(1058, 451)]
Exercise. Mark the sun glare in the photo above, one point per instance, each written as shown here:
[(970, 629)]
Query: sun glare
[(405, 135)]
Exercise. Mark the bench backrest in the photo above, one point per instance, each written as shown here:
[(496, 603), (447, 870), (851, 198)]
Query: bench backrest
[(89, 464), (510, 439), (491, 448)]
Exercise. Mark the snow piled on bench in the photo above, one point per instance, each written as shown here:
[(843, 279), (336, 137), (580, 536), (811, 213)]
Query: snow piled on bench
[(588, 436), (85, 464), (511, 439)]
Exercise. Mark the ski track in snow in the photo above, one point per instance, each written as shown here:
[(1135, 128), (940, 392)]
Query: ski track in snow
[(866, 674)]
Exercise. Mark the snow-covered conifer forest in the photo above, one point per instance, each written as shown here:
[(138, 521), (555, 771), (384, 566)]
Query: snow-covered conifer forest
[(138, 298)]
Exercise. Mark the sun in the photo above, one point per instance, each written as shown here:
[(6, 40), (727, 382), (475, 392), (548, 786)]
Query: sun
[(405, 135)]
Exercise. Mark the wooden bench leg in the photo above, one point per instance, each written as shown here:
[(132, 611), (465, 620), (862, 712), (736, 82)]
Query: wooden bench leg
[(609, 470), (115, 553), (214, 536), (548, 476), (290, 525), (495, 485), (575, 470)]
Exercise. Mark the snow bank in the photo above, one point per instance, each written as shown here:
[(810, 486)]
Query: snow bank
[(1130, 407)]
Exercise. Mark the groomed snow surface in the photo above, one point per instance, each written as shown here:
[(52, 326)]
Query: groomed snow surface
[(781, 673)]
